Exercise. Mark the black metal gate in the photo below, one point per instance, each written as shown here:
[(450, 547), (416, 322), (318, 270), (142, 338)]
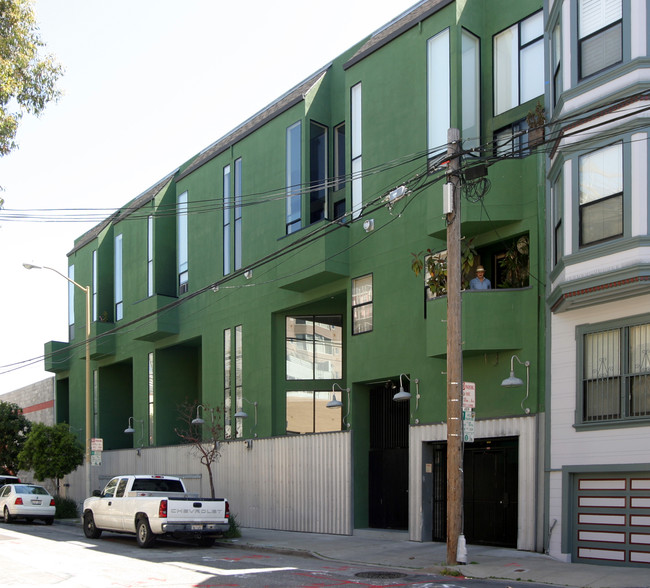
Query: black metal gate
[(388, 461), (490, 503)]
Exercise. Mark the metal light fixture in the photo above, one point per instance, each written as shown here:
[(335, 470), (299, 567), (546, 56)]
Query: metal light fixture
[(241, 414), (198, 420), (130, 430), (513, 381), (403, 395), (334, 403)]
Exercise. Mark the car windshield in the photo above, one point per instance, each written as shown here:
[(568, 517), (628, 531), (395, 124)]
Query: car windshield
[(23, 489)]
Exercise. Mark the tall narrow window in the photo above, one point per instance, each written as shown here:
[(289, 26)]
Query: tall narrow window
[(150, 390), (471, 90), (294, 178), (438, 91), (71, 288), (601, 195), (600, 35), (94, 281), (339, 172), (317, 171), (558, 203), (238, 209), (183, 259), (150, 288), (357, 163), (556, 60), (227, 383), (239, 394), (227, 207), (362, 305), (519, 63), (119, 302)]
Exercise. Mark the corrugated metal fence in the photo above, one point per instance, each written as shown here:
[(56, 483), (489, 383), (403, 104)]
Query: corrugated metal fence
[(301, 483)]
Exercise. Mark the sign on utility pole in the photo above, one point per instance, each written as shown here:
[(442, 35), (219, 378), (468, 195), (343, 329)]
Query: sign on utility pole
[(454, 354)]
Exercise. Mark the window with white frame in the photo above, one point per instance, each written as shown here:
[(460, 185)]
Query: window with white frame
[(227, 207), (227, 382), (119, 301), (318, 167), (438, 91), (294, 178), (519, 63), (601, 195), (600, 35), (615, 372), (339, 169), (232, 218), (355, 140), (182, 245), (233, 380), (362, 319), (557, 203), (556, 62)]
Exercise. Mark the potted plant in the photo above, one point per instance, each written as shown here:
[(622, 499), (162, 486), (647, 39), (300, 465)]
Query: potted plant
[(536, 119), (435, 264)]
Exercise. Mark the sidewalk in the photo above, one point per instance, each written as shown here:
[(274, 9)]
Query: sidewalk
[(393, 549)]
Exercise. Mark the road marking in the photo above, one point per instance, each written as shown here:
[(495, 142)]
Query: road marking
[(219, 572)]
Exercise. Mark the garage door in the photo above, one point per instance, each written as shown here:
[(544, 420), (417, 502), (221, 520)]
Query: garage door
[(612, 522)]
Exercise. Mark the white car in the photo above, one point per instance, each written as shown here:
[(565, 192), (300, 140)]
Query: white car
[(26, 501)]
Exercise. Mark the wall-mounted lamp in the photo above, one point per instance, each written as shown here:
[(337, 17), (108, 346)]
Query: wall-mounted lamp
[(241, 414), (130, 430), (198, 420), (403, 395), (513, 381), (334, 403)]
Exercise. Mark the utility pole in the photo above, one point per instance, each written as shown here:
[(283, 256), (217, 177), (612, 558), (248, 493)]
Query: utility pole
[(454, 354)]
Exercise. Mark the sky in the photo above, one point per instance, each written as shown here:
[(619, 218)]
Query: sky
[(147, 85)]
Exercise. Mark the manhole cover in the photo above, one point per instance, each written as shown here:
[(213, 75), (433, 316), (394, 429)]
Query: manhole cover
[(380, 575)]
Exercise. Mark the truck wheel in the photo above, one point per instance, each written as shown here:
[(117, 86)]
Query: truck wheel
[(8, 517), (90, 530), (206, 541), (143, 533)]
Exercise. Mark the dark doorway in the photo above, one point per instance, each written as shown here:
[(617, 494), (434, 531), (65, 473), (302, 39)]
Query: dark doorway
[(388, 460), (490, 492)]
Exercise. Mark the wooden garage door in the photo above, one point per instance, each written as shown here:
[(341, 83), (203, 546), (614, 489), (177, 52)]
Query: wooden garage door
[(612, 523)]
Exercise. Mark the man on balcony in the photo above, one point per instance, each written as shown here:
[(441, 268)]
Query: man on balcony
[(480, 282)]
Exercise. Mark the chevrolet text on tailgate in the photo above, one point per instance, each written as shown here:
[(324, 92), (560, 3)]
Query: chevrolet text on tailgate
[(154, 506)]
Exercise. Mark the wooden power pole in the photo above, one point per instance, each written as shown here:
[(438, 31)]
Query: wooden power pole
[(454, 354)]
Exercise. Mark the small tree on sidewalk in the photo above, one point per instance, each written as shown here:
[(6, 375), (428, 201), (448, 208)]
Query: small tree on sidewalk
[(14, 428), (51, 452), (203, 436)]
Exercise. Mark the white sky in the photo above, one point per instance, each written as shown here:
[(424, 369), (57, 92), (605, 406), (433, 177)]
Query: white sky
[(148, 84)]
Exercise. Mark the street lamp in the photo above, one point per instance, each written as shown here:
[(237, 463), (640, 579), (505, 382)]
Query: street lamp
[(86, 289)]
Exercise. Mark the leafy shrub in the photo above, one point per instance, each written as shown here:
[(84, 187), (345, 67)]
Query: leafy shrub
[(233, 532), (66, 508)]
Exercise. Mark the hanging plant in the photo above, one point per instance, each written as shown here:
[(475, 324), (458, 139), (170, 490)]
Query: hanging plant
[(435, 265), (515, 264)]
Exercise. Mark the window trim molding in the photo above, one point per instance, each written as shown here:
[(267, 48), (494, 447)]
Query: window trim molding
[(354, 306), (585, 329)]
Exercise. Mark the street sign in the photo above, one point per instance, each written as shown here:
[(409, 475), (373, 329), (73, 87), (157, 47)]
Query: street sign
[(468, 425), (97, 444), (96, 458), (469, 395)]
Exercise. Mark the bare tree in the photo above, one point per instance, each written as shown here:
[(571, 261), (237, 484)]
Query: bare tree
[(201, 427)]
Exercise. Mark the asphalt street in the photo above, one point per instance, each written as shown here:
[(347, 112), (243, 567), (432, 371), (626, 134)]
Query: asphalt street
[(59, 555)]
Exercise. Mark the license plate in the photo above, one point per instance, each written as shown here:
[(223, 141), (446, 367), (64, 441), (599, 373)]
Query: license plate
[(197, 527), (36, 502)]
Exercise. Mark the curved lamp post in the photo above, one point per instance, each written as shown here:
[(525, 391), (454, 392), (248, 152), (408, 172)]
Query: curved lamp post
[(86, 289)]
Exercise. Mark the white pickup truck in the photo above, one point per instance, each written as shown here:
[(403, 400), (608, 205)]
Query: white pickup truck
[(154, 506)]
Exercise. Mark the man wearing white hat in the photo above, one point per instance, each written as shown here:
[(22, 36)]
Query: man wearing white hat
[(480, 282)]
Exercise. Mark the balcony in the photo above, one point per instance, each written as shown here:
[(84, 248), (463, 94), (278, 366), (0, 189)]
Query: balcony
[(511, 188), (493, 320), (319, 262), (101, 344), (57, 356), (160, 323)]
